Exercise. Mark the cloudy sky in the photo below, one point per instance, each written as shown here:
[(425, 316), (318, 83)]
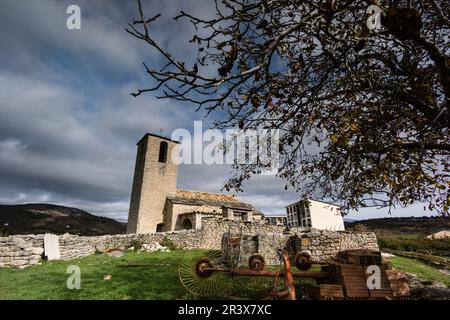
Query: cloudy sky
[(68, 124)]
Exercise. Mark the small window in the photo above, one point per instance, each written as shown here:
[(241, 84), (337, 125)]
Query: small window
[(237, 215), (163, 146)]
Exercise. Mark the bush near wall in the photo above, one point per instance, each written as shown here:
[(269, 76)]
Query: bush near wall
[(438, 247)]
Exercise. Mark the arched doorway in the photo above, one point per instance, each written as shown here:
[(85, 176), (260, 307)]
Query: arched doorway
[(186, 224)]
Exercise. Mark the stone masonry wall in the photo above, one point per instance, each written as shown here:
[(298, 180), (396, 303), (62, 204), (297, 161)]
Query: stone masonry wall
[(27, 250), (322, 244), (208, 237), (153, 182), (21, 250)]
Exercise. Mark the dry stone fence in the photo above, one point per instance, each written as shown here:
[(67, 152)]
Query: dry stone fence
[(21, 251), (25, 250), (322, 245)]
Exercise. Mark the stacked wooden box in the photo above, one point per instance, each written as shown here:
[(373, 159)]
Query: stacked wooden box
[(362, 257), (349, 278), (331, 291)]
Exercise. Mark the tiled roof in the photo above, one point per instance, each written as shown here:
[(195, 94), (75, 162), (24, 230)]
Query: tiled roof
[(207, 196)]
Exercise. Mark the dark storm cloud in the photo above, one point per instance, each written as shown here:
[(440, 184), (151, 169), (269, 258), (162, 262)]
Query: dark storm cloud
[(68, 125)]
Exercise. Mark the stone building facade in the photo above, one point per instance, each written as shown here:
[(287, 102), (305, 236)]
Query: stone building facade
[(156, 203), (278, 220), (315, 214)]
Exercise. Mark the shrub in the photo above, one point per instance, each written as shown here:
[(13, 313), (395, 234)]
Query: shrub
[(439, 247), (361, 228), (166, 242), (136, 244)]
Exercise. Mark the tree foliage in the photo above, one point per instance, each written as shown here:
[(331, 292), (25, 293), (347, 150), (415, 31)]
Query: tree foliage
[(364, 113)]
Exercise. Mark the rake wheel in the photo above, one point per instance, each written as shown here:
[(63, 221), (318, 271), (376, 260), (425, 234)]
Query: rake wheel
[(256, 262), (302, 261), (261, 286), (195, 277)]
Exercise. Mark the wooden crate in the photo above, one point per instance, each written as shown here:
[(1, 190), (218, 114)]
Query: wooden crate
[(352, 280), (350, 270), (334, 274), (363, 257), (385, 291), (364, 260), (355, 286), (331, 291), (384, 281)]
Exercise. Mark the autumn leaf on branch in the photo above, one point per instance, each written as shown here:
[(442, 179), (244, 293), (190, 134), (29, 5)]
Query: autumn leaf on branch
[(374, 103)]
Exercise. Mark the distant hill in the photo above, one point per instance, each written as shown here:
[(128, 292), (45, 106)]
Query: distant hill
[(408, 225), (42, 218)]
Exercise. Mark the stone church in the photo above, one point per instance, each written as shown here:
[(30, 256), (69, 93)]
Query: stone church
[(156, 203)]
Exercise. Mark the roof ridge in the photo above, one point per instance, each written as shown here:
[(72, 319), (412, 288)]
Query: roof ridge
[(199, 191)]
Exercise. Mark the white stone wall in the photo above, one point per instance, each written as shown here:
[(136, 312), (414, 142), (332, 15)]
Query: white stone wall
[(26, 250), (325, 216), (21, 250), (323, 245)]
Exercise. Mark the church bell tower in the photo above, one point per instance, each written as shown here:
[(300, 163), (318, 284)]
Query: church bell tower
[(155, 179)]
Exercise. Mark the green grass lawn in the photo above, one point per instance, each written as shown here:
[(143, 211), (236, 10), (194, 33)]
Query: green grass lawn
[(422, 270), (138, 276), (134, 276)]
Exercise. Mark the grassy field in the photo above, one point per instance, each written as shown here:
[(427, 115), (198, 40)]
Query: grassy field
[(134, 276)]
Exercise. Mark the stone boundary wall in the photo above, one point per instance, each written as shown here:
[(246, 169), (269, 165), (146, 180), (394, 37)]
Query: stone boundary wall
[(25, 250), (324, 245), (21, 250), (209, 236)]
